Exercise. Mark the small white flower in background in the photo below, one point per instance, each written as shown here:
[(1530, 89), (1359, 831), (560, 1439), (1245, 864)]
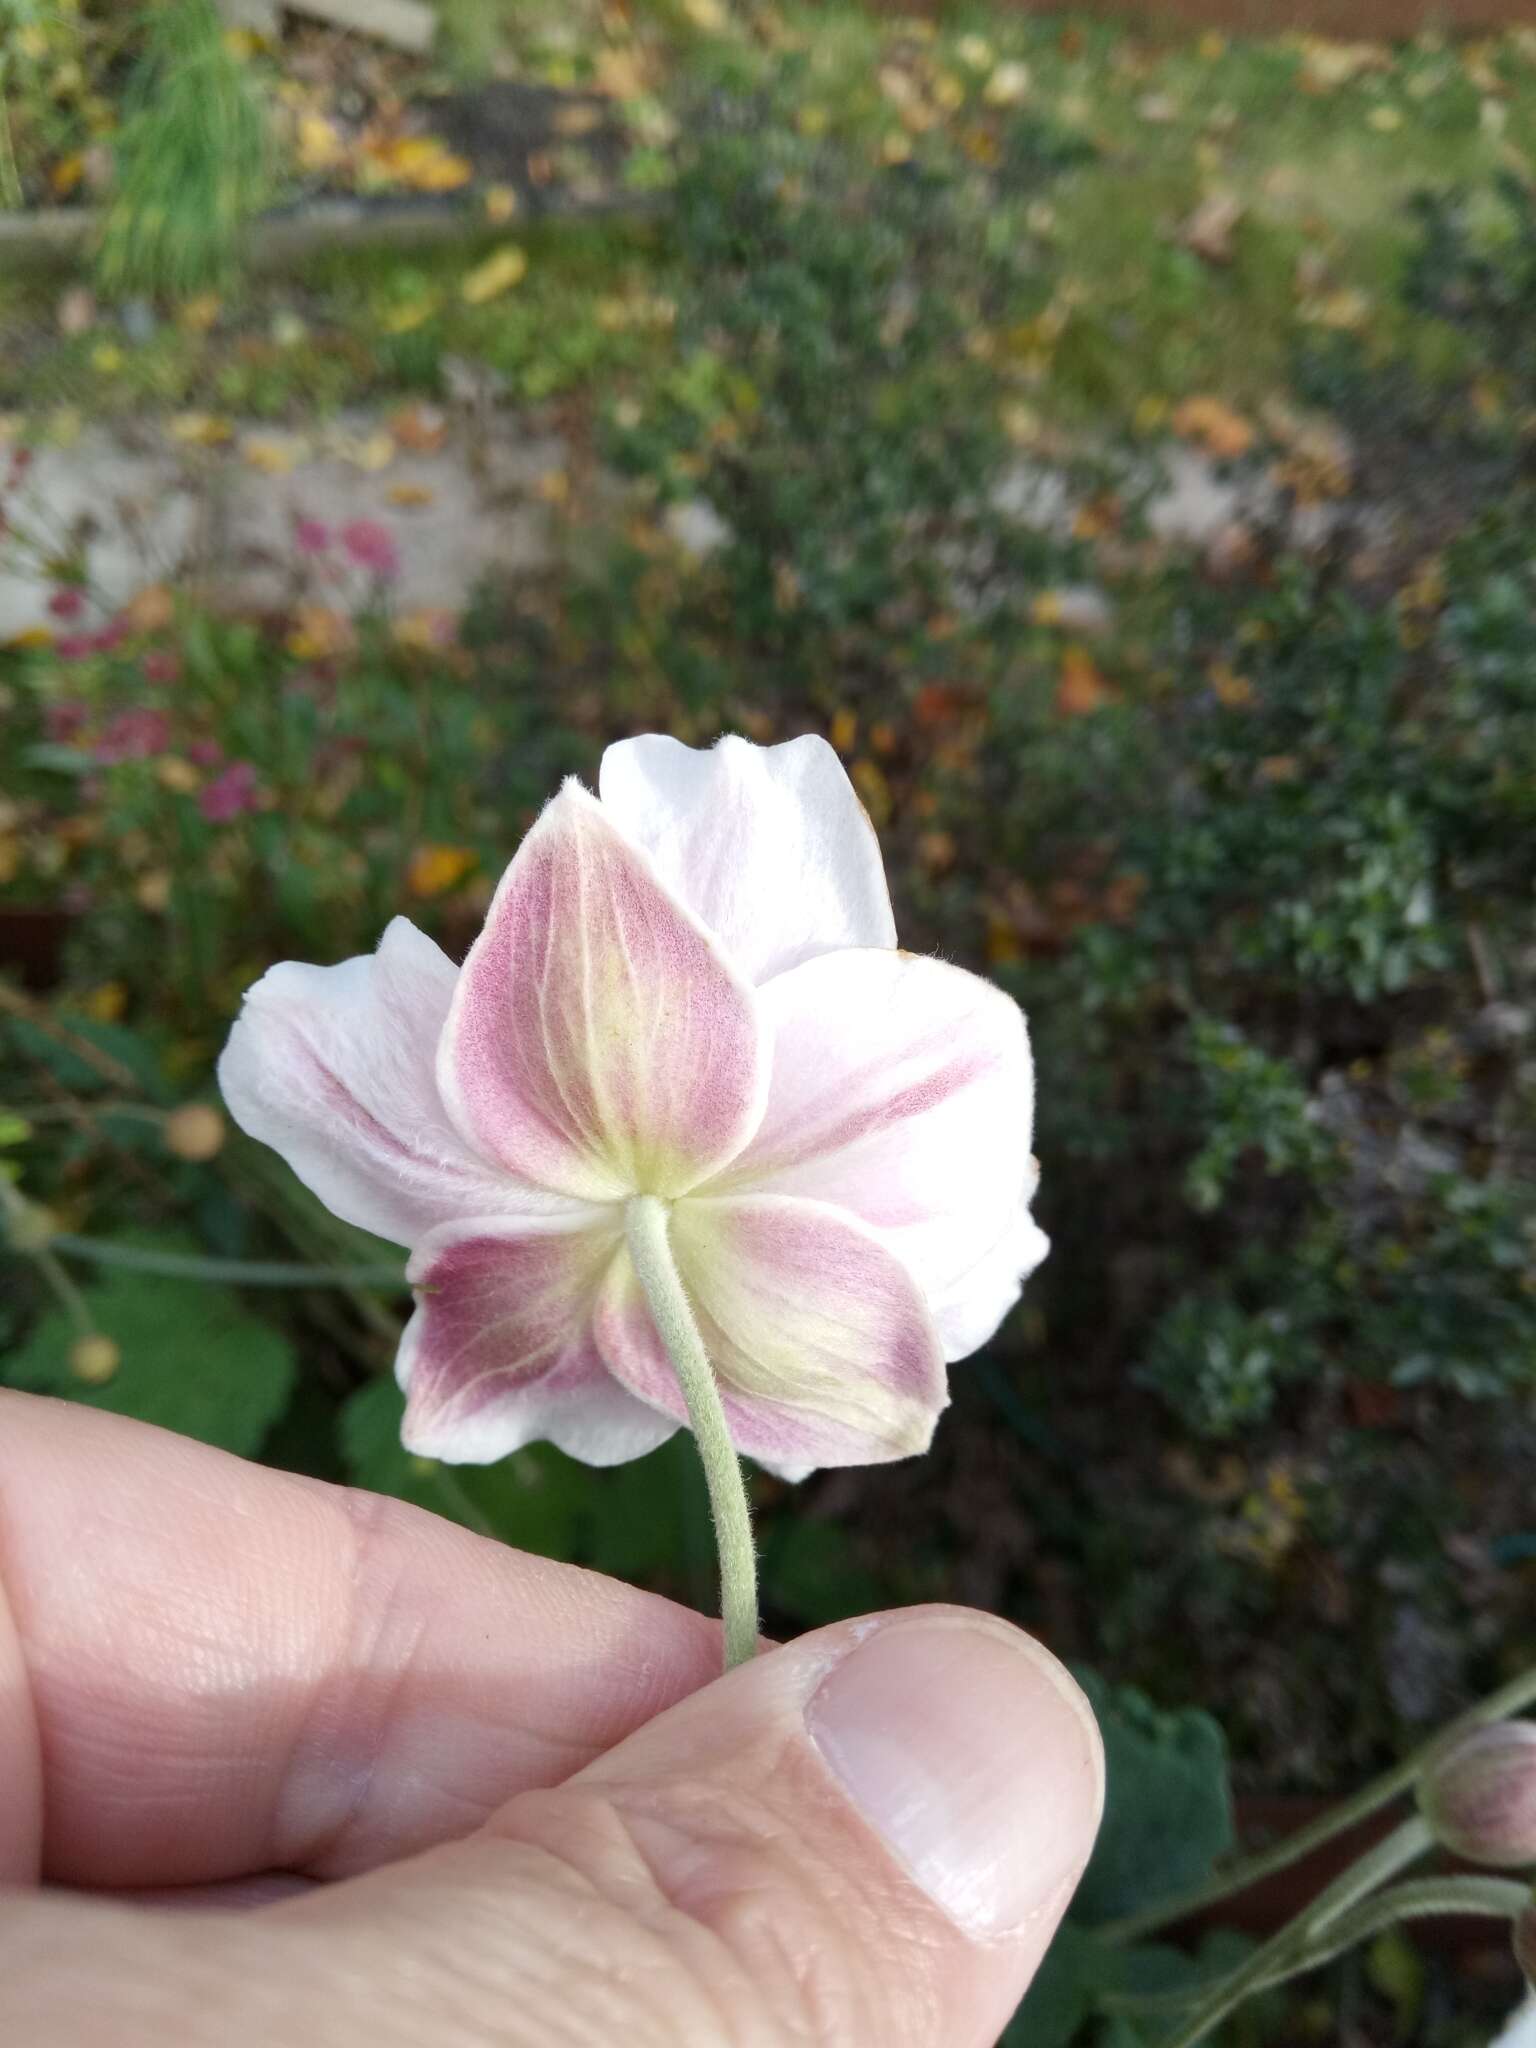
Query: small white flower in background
[(688, 989)]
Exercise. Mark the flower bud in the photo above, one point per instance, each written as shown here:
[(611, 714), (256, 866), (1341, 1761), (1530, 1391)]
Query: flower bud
[(94, 1359), (195, 1131), (29, 1227), (1479, 1796)]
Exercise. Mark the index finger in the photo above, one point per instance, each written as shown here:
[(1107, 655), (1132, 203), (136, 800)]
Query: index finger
[(211, 1669)]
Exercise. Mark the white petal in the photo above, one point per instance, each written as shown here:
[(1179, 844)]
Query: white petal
[(770, 846), (825, 1352), (599, 1042), (902, 1091), (971, 1308), (500, 1350), (334, 1068)]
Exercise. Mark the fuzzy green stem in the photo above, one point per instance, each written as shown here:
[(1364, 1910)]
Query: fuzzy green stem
[(1282, 1955), (661, 1283), (1508, 1699), (1490, 1898), (228, 1272)]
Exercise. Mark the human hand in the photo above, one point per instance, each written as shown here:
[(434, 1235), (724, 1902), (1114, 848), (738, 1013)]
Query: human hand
[(482, 1800)]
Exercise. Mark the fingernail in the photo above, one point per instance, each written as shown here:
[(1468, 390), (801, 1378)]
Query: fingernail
[(975, 1757)]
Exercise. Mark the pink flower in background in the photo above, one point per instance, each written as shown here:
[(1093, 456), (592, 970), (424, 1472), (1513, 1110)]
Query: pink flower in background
[(372, 547), (205, 753), (161, 667), (230, 795), (311, 536), (65, 720), (689, 989), (68, 602), (134, 736), (74, 646)]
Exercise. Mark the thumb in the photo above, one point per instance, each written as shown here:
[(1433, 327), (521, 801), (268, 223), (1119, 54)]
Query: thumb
[(865, 1837)]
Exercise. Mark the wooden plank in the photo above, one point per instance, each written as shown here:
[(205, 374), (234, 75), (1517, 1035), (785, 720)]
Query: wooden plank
[(404, 24)]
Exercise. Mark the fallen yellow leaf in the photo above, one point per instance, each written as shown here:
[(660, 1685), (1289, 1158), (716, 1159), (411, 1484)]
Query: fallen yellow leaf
[(198, 314), (317, 632), (106, 1003), (200, 429), (1080, 688), (320, 146), (1216, 425), (500, 203), (434, 869), (425, 630), (67, 173), (423, 163), (868, 778), (273, 454), (410, 314), (497, 274), (410, 494)]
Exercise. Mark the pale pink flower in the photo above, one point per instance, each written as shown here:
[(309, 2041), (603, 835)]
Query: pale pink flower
[(311, 536), (161, 666), (229, 795), (372, 547), (688, 989), (134, 736)]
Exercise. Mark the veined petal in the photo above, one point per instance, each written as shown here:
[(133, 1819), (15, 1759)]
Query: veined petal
[(334, 1067), (902, 1091), (770, 846), (825, 1352), (500, 1351), (599, 1042)]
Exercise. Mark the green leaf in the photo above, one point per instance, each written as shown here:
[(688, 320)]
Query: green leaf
[(534, 1500), (633, 1522), (1168, 1809), (193, 1358), (1059, 2001), (810, 1571)]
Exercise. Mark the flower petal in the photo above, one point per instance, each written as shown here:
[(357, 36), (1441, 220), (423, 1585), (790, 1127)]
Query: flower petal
[(599, 1043), (970, 1309), (825, 1352), (500, 1351), (768, 845), (902, 1091), (334, 1068)]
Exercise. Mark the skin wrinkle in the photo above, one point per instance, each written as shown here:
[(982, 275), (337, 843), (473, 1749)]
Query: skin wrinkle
[(368, 1515)]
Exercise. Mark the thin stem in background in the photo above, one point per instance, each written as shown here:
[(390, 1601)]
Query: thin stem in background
[(1508, 1699)]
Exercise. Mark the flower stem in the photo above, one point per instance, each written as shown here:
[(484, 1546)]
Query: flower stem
[(661, 1283), (1489, 1898), (1519, 1692), (1283, 1954), (230, 1272)]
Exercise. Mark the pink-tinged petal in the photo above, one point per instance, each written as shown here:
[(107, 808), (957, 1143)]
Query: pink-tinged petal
[(902, 1091), (824, 1349), (500, 1351), (770, 846), (971, 1308), (599, 1042), (334, 1067)]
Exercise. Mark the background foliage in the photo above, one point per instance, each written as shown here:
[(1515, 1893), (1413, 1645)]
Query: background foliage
[(1243, 817)]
